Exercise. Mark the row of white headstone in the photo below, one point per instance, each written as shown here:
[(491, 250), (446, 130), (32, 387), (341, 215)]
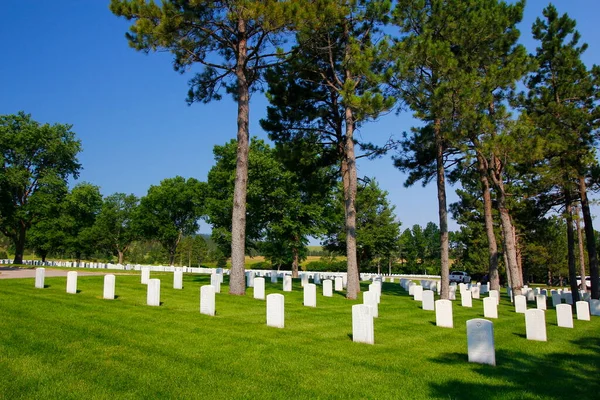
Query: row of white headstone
[(109, 282)]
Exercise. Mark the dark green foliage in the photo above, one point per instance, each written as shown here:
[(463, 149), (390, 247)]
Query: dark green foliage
[(171, 210), (377, 230), (115, 226), (35, 163)]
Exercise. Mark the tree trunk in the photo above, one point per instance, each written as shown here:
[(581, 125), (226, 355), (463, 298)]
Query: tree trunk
[(549, 277), (571, 246), (590, 239), (582, 285), (493, 276), (350, 187), (19, 241), (442, 211), (295, 262), (43, 254), (237, 280), (121, 256), (510, 249), (518, 252)]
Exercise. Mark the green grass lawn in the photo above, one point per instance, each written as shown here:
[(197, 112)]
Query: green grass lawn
[(61, 346)]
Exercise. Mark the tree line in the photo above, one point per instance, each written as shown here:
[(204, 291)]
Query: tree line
[(516, 130)]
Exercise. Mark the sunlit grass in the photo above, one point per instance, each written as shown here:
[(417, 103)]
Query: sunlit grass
[(57, 345)]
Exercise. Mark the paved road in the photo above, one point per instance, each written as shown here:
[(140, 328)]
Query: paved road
[(11, 272)]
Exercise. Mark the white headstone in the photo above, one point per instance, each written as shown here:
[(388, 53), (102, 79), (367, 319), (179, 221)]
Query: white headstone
[(109, 287), (377, 287), (153, 297), (275, 310), (452, 292), (317, 278), (475, 291), (595, 307), (303, 279), (443, 314), (259, 288), (483, 289), (541, 301), (428, 300), (178, 278), (273, 276), (145, 275), (310, 295), (568, 296), (339, 284), (535, 324), (327, 288), (207, 300), (495, 294), (40, 274), (583, 310), (530, 295), (564, 316), (465, 298), (411, 288), (520, 304), (490, 307), (418, 293), (556, 299), (250, 278), (287, 283), (480, 341), (362, 324), (370, 299), (72, 282), (215, 281)]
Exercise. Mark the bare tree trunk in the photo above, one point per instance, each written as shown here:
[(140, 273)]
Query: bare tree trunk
[(121, 256), (442, 211), (237, 281), (590, 238), (582, 285), (510, 250), (493, 276), (518, 252), (295, 262), (350, 188), (549, 277), (19, 241), (571, 246)]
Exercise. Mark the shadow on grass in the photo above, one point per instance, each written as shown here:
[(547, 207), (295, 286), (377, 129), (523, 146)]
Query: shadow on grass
[(549, 376)]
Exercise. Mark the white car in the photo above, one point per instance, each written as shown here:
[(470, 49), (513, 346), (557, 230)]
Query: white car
[(459, 276)]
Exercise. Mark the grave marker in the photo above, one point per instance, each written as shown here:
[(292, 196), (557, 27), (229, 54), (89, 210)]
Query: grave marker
[(362, 324), (490, 307), (465, 298), (145, 275), (40, 274), (327, 288), (153, 296), (339, 284), (275, 310), (109, 287), (72, 282), (370, 299), (583, 310), (259, 288), (207, 300), (287, 283), (520, 304), (443, 314), (480, 341), (178, 278), (564, 316), (310, 295), (428, 300), (535, 324), (541, 301)]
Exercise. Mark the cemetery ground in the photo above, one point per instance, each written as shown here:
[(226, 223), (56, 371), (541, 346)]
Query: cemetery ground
[(56, 345)]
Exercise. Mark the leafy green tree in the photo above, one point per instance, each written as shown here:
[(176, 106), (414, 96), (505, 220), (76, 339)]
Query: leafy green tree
[(377, 230), (35, 163), (172, 210), (234, 41), (562, 103), (333, 84), (115, 225), (284, 206), (192, 251), (79, 210)]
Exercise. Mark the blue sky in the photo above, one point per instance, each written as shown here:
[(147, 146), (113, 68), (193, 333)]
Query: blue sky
[(68, 61)]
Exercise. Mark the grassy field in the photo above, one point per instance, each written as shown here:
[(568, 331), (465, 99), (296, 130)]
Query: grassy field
[(60, 346)]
